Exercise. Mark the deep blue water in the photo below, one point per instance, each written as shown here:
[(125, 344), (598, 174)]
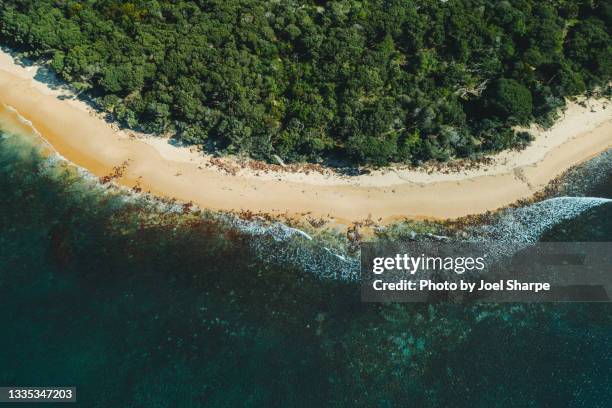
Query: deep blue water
[(144, 309)]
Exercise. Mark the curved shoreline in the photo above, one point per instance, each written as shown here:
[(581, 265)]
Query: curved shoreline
[(383, 196)]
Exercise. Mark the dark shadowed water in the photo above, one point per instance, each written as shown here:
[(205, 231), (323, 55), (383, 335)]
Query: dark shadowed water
[(138, 308)]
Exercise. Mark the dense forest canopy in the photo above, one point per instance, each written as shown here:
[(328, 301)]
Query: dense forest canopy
[(373, 81)]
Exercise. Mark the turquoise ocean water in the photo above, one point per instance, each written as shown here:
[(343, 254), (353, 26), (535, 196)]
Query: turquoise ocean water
[(141, 308)]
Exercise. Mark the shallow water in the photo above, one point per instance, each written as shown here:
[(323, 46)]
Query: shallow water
[(139, 308)]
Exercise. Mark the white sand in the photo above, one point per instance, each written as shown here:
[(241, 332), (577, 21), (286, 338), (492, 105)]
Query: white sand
[(88, 141)]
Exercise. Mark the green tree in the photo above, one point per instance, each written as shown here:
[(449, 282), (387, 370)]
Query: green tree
[(507, 98)]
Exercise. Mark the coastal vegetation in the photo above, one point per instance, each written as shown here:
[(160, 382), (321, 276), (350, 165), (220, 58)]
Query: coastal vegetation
[(368, 81)]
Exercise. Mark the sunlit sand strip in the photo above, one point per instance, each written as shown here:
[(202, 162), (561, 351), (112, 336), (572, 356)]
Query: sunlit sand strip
[(384, 196)]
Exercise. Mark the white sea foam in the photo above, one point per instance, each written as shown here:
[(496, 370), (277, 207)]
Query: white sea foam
[(512, 230), (280, 244), (527, 224), (518, 228)]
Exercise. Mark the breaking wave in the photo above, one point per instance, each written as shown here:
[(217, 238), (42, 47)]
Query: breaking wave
[(527, 224), (516, 229), (284, 245), (512, 230)]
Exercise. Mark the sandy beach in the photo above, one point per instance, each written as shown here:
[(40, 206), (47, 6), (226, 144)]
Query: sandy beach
[(73, 130)]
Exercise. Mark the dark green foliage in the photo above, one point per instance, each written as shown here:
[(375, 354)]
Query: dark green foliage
[(589, 46), (375, 81), (507, 98)]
